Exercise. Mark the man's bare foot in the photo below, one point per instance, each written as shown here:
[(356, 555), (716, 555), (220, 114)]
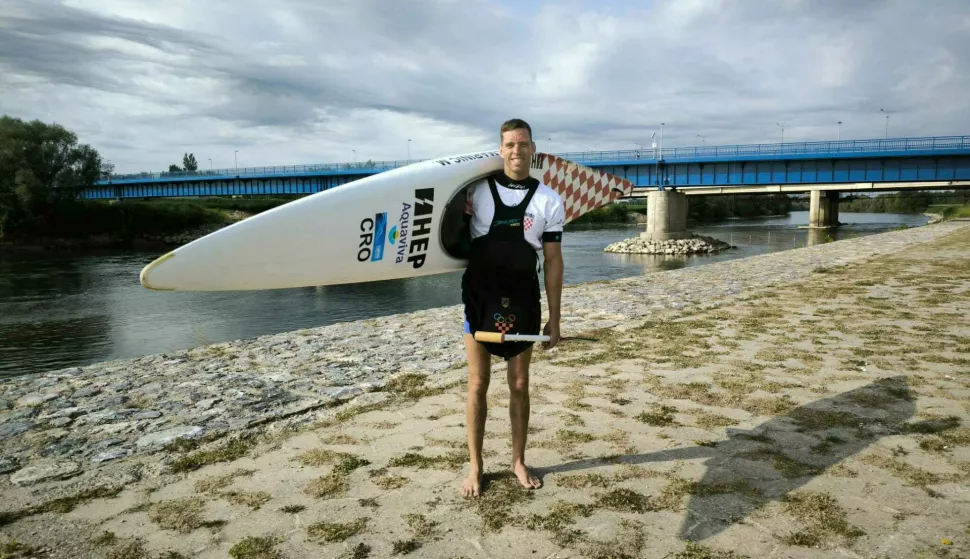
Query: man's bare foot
[(527, 479), (472, 487)]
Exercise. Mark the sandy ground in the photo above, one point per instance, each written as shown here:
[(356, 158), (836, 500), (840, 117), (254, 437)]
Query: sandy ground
[(824, 418)]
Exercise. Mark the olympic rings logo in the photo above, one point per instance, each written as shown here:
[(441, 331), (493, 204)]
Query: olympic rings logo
[(501, 319)]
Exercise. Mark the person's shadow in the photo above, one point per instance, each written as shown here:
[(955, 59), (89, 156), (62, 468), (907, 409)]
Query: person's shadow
[(782, 454)]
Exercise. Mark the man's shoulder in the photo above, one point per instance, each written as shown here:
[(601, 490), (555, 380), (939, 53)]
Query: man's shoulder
[(548, 192)]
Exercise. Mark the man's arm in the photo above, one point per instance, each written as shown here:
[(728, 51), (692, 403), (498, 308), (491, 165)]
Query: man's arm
[(553, 276)]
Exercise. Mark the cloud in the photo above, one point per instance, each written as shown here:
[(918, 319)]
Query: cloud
[(297, 81)]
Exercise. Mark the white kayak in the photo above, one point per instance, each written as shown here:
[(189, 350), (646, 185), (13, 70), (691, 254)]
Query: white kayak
[(396, 224)]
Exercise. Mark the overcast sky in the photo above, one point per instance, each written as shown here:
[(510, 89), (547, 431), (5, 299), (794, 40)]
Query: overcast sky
[(307, 81)]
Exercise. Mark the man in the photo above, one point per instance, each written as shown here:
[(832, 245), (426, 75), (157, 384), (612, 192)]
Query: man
[(512, 217)]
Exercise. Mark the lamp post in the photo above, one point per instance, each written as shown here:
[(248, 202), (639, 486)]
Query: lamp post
[(840, 130), (661, 140), (210, 164), (703, 139), (409, 150), (782, 131), (355, 155), (887, 121), (236, 159)]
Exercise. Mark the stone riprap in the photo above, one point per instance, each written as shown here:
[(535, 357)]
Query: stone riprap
[(696, 244), (59, 423)]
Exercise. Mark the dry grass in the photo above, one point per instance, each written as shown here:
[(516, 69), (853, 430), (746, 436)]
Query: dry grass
[(824, 517), (180, 515)]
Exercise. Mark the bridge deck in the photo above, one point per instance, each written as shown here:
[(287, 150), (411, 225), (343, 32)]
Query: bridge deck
[(904, 160)]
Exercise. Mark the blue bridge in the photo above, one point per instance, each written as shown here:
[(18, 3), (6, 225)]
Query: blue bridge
[(885, 164)]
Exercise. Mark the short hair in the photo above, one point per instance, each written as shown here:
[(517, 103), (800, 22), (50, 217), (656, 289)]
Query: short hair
[(514, 124)]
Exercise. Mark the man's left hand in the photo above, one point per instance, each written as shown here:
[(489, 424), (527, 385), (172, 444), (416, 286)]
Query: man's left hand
[(551, 330)]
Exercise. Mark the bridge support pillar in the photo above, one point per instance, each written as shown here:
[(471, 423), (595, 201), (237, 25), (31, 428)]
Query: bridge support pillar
[(666, 216), (823, 209)]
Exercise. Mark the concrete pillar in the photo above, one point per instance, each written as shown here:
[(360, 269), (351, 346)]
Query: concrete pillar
[(823, 209), (666, 216)]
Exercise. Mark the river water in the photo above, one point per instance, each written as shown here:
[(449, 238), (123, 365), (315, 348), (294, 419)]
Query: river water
[(61, 310)]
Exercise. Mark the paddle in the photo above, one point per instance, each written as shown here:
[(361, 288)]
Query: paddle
[(498, 338)]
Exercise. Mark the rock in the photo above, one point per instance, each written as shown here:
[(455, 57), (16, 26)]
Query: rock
[(60, 421), (8, 464), (106, 443), (87, 392), (694, 245), (342, 392), (146, 414), (110, 455), (43, 471), (8, 430), (35, 399), (162, 438), (207, 403)]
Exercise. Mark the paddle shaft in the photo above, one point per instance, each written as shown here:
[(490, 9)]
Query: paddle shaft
[(498, 338)]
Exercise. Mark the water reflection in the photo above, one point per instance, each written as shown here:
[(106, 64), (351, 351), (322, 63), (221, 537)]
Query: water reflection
[(62, 310)]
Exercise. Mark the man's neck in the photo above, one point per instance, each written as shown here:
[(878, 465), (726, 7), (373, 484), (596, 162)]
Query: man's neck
[(517, 178), (518, 184)]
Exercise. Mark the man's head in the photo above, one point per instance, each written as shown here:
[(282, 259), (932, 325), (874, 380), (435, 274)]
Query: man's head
[(517, 147)]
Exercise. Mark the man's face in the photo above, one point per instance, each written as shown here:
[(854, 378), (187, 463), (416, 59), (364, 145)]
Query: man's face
[(517, 149)]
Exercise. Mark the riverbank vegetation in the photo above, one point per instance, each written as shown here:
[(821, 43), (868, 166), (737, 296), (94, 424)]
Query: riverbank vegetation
[(42, 167), (700, 209), (897, 202)]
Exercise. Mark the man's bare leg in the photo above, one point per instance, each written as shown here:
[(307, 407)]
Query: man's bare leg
[(479, 372), (518, 377)]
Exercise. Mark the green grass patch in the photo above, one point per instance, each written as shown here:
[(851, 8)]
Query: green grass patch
[(329, 486), (253, 500), (228, 452), (624, 500), (61, 505), (181, 515), (559, 520), (448, 461), (256, 548), (693, 550), (496, 506), (822, 513), (342, 462), (786, 465), (660, 416), (329, 532)]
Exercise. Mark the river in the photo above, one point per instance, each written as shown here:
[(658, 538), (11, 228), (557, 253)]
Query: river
[(61, 310)]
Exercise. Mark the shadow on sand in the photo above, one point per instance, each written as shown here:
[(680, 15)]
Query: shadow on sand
[(784, 453)]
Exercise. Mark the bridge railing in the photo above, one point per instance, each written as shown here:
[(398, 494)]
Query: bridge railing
[(364, 167), (895, 145)]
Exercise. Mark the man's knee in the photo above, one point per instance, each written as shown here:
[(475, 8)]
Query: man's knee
[(519, 374), (477, 385)]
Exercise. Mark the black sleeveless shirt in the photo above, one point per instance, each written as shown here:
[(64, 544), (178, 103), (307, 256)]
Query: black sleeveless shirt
[(500, 287)]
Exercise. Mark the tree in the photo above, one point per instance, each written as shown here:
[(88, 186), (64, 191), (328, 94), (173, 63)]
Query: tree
[(41, 165), (188, 161), (173, 168), (107, 169)]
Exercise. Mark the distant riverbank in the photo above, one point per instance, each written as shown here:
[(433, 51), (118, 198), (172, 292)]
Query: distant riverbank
[(92, 225)]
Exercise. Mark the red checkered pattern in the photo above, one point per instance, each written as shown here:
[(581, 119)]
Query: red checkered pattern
[(582, 189), (503, 324), (528, 223)]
